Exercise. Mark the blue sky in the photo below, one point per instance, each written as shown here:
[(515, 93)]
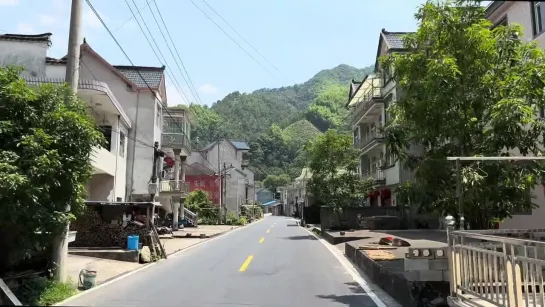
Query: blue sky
[(299, 37)]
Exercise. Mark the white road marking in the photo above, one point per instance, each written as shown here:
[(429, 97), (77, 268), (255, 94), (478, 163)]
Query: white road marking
[(351, 270), (149, 265)]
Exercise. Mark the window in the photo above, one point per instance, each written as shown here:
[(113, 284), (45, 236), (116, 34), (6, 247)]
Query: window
[(122, 144), (158, 116), (537, 21), (107, 132)]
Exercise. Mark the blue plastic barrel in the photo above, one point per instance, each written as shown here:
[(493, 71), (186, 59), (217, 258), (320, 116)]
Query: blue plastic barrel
[(132, 242)]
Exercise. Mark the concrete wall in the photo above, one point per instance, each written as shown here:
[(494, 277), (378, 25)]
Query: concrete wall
[(352, 216), (521, 13), (141, 108), (235, 193), (30, 55), (228, 155)]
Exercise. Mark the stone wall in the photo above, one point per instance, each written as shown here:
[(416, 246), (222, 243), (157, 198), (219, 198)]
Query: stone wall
[(409, 293), (352, 216)]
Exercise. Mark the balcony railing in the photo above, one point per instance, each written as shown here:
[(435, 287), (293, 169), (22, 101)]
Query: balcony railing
[(377, 175), (174, 186), (369, 137), (245, 162), (175, 140), (357, 142), (371, 97), (497, 267)]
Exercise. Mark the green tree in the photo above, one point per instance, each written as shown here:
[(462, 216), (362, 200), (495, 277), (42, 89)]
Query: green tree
[(46, 143), (327, 110), (208, 126), (272, 151), (468, 90), (274, 181), (333, 161), (197, 201)]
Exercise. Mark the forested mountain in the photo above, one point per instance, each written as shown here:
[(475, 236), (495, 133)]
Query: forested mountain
[(278, 122)]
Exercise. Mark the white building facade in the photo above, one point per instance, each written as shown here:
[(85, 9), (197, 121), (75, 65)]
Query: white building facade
[(528, 14), (109, 161)]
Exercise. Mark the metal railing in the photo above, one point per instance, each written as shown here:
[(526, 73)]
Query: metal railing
[(173, 186), (369, 137), (175, 140), (377, 175), (497, 268), (372, 96)]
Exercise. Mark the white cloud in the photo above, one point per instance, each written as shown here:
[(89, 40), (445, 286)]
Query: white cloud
[(25, 28), (47, 20), (9, 2), (208, 89)]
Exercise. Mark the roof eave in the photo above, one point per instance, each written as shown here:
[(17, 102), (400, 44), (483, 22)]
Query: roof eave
[(492, 7)]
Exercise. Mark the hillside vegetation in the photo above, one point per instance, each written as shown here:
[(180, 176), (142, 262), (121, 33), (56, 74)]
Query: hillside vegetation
[(278, 122)]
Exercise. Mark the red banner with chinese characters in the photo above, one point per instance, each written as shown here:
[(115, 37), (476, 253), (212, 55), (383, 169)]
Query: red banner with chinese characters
[(207, 183)]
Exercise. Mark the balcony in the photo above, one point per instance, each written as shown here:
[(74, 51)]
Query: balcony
[(370, 105), (176, 140), (377, 175), (370, 140), (245, 163), (103, 161), (174, 187)]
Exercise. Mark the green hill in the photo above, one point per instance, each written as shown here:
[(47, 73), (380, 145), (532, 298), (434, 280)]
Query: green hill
[(300, 111)]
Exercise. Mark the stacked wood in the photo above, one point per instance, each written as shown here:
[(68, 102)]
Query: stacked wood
[(94, 232)]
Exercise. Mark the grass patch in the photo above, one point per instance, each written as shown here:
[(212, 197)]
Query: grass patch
[(40, 291)]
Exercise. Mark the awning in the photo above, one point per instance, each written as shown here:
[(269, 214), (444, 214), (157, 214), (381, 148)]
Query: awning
[(271, 203)]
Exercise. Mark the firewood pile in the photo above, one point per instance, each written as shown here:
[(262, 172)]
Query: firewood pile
[(94, 232)]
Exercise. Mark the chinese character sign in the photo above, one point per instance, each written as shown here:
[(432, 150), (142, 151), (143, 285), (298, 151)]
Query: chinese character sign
[(207, 183)]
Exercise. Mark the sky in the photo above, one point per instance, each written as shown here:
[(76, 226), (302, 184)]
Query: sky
[(295, 39)]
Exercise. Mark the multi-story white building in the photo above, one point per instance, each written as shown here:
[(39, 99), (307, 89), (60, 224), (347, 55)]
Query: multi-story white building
[(110, 161), (227, 157), (528, 14), (369, 101)]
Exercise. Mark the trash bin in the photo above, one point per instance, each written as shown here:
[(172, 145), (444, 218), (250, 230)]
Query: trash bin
[(133, 242)]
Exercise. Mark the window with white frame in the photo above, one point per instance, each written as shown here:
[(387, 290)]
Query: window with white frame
[(158, 116), (122, 141), (537, 20)]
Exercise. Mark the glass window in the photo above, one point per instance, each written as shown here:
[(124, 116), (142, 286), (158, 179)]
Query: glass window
[(122, 144), (537, 22), (107, 132)]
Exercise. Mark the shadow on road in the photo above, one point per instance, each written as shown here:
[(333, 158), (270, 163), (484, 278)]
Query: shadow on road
[(358, 299), (307, 237)]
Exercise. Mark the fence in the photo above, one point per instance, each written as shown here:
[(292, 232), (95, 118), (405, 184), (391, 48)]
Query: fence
[(497, 268)]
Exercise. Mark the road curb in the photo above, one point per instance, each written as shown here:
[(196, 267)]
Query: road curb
[(173, 255), (351, 269)]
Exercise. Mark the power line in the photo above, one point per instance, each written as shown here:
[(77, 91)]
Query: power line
[(244, 39), (172, 77), (242, 48), (191, 85), (159, 100), (138, 12), (233, 40)]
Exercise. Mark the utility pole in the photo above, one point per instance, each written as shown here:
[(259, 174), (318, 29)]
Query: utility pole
[(221, 177), (224, 188), (60, 242)]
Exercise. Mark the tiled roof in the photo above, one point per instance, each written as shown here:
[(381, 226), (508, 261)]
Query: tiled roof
[(240, 145), (152, 76), (49, 60), (44, 37), (394, 39)]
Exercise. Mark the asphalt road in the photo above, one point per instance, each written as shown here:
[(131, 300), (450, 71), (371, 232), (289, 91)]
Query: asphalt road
[(271, 263)]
